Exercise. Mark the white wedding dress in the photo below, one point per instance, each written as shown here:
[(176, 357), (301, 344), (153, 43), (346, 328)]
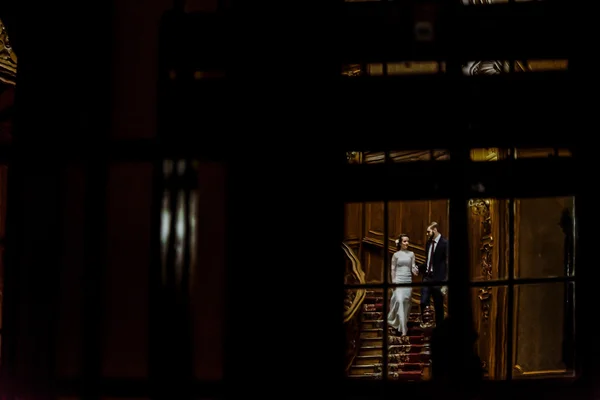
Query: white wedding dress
[(403, 262)]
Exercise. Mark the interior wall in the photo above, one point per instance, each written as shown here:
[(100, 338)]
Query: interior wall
[(364, 230), (540, 309)]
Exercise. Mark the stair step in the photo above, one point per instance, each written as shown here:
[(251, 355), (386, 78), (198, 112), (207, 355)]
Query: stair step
[(362, 359), (378, 324), (417, 339), (373, 341), (404, 367), (368, 360), (409, 358), (371, 332), (376, 349), (403, 376), (376, 368), (377, 315), (370, 351), (408, 348), (392, 340), (373, 299)]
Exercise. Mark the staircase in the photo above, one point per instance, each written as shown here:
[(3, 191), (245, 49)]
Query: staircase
[(409, 356)]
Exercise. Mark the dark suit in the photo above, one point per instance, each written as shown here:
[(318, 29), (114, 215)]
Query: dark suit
[(438, 273)]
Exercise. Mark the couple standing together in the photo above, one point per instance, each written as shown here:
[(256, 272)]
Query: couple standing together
[(434, 269)]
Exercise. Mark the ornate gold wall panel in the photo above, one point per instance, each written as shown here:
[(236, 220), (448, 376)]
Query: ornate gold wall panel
[(8, 58)]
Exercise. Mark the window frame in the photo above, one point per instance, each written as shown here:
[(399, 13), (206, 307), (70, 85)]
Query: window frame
[(507, 179)]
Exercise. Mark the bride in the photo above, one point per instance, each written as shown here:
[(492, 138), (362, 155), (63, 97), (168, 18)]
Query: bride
[(403, 263)]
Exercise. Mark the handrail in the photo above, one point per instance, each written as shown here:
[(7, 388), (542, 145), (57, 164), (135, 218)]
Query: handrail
[(359, 275)]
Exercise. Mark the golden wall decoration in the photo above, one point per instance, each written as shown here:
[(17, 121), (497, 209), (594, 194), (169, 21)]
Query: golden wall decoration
[(8, 58), (481, 207)]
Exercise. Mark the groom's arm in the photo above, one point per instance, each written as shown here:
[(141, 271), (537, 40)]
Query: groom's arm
[(421, 267)]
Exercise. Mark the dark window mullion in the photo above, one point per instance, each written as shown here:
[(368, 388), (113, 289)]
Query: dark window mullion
[(386, 274), (94, 273), (523, 281), (459, 307), (510, 289)]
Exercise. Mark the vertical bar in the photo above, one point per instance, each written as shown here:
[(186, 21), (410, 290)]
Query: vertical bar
[(190, 179), (179, 5), (94, 274), (386, 286), (12, 280), (458, 259), (573, 257), (155, 325), (510, 289)]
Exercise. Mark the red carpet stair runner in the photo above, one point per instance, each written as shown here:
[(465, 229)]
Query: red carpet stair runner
[(409, 356)]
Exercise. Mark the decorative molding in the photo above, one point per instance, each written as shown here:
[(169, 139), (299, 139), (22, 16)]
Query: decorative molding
[(353, 157), (481, 208), (352, 70), (8, 59)]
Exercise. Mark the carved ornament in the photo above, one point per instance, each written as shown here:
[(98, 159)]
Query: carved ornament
[(8, 58), (481, 208)]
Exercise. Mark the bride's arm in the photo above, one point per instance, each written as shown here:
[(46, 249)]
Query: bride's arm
[(415, 269), (393, 268)]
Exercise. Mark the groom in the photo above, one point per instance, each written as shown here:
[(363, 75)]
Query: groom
[(435, 269)]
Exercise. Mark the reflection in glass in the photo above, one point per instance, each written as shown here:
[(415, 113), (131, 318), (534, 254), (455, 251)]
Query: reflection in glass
[(543, 330), (544, 237), (490, 322)]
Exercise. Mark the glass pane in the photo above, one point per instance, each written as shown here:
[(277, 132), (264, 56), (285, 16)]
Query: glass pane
[(129, 217), (489, 154), (364, 236), (207, 270), (419, 155), (416, 224), (495, 154), (69, 318), (543, 330), (541, 65), (490, 317), (3, 187), (409, 354), (484, 2), (488, 234), (409, 332), (379, 157), (544, 237), (124, 398), (489, 67), (364, 332), (397, 68), (542, 153)]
